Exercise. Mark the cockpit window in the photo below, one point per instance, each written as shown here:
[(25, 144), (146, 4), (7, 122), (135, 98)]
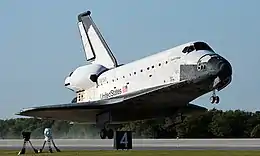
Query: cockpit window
[(188, 49), (197, 46), (71, 73), (202, 46)]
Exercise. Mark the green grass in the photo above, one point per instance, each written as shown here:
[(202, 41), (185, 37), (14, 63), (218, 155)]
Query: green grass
[(138, 153)]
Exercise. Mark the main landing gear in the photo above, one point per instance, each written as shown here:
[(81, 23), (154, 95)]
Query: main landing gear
[(103, 122), (214, 98), (109, 133)]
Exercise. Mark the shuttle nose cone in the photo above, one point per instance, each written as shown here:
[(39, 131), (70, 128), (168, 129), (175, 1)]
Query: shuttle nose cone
[(222, 70), (220, 66), (225, 69)]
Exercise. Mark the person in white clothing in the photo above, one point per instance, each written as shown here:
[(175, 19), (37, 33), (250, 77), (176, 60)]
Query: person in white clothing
[(48, 138)]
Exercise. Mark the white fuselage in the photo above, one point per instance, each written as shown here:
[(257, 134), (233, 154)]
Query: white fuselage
[(155, 70)]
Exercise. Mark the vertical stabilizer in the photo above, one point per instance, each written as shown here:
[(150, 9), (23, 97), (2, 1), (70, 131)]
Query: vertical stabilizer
[(95, 46)]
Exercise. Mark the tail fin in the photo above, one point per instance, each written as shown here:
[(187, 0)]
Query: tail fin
[(95, 46)]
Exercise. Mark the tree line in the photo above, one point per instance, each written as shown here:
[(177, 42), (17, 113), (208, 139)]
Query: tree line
[(209, 124)]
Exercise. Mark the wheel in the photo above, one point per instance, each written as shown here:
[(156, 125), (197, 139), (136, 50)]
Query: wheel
[(110, 134), (212, 99), (103, 134), (216, 99)]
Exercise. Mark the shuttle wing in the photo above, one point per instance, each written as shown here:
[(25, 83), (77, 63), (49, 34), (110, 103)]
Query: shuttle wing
[(87, 111)]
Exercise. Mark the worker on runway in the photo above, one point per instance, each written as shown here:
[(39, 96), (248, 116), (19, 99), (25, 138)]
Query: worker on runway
[(48, 138)]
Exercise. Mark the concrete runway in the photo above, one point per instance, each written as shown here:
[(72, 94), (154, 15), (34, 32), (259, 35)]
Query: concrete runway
[(143, 144)]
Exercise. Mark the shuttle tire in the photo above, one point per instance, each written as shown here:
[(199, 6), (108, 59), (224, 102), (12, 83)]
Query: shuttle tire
[(103, 134), (110, 134), (214, 99)]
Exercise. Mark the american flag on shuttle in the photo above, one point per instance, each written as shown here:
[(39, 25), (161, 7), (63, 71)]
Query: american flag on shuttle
[(124, 89)]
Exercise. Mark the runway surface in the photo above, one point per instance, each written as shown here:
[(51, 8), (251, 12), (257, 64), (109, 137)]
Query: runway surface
[(143, 144)]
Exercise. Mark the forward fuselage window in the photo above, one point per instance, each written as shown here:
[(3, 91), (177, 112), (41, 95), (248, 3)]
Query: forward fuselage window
[(202, 46), (197, 46)]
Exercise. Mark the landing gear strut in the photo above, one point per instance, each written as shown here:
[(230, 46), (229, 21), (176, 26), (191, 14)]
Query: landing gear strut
[(103, 121), (214, 98)]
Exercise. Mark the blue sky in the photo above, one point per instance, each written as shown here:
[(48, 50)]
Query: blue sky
[(40, 44)]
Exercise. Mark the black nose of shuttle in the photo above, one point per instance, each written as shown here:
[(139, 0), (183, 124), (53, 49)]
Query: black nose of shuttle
[(222, 69), (221, 66), (225, 69)]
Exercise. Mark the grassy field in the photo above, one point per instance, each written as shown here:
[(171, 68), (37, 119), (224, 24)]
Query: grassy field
[(139, 153)]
